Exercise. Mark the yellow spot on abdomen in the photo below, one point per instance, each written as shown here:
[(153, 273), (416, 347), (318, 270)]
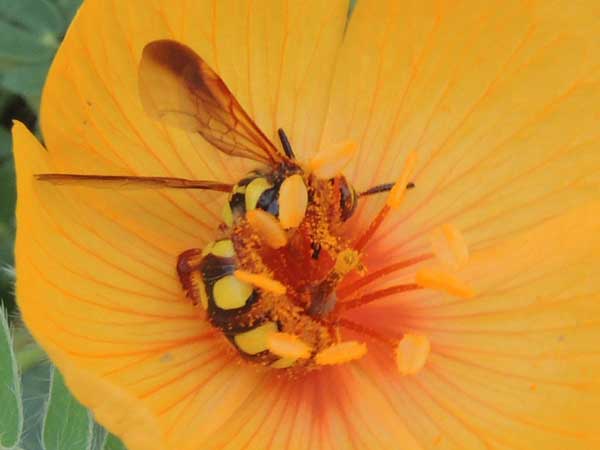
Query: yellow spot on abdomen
[(223, 248), (231, 293), (255, 341), (227, 215), (254, 190)]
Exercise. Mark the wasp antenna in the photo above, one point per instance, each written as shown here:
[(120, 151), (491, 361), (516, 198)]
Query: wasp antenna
[(287, 148), (383, 188)]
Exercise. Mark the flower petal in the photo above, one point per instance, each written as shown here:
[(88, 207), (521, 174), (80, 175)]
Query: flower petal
[(517, 366), (501, 100)]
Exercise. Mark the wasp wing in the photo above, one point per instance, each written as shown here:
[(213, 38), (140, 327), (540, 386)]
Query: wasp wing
[(112, 181), (179, 88)]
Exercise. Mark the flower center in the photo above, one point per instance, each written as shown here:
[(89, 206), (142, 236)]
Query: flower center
[(295, 279)]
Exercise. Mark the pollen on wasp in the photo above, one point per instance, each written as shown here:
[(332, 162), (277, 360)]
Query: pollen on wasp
[(287, 253)]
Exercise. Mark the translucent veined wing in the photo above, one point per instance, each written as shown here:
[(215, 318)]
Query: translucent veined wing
[(119, 181), (179, 88)]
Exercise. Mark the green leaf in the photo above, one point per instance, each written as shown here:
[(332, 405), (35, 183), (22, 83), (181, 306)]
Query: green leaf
[(37, 16), (68, 8), (98, 438), (7, 220), (11, 412), (67, 425), (31, 32), (7, 178), (19, 46), (113, 443), (36, 384), (27, 81)]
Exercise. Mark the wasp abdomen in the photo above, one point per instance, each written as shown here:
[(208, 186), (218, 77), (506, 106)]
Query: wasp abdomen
[(208, 278)]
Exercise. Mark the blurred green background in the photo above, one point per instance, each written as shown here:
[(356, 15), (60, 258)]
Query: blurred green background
[(30, 33)]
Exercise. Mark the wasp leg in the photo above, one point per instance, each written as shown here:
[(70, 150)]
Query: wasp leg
[(190, 276)]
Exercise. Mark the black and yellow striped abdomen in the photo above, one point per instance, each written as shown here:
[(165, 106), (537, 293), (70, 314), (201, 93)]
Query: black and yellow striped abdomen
[(229, 302)]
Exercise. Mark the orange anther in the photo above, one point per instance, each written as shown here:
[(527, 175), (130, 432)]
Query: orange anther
[(396, 195), (267, 227), (328, 164), (288, 345), (442, 280), (341, 353), (293, 200), (412, 353), (449, 246), (261, 281)]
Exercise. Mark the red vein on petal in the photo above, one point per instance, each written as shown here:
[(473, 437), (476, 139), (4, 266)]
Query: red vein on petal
[(444, 406), (135, 131), (513, 417), (171, 297), (469, 112), (190, 401), (68, 294), (195, 369), (95, 255), (344, 291), (442, 351), (119, 343), (534, 118)]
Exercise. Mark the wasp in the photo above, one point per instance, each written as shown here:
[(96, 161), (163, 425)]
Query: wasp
[(268, 281)]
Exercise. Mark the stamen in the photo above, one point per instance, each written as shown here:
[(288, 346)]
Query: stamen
[(412, 353), (386, 187), (394, 200), (346, 261), (260, 281), (396, 195), (372, 296), (287, 345), (293, 200), (341, 353), (367, 331), (267, 227), (331, 163), (364, 281), (449, 246), (441, 280)]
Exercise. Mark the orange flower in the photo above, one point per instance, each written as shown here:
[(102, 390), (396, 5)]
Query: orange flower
[(501, 100)]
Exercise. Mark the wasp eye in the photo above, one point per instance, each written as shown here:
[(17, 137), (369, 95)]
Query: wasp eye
[(348, 200)]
